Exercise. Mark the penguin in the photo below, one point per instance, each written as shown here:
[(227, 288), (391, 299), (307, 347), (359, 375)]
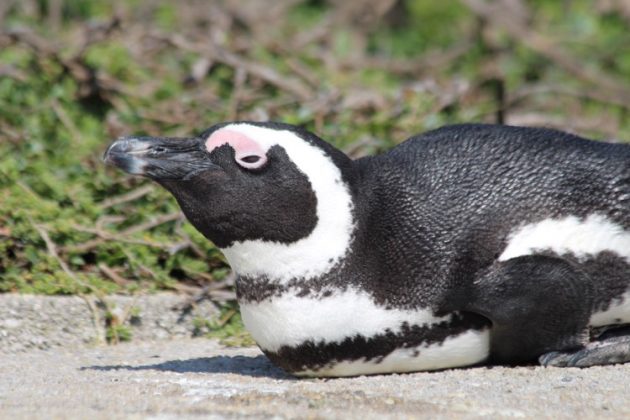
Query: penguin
[(466, 245)]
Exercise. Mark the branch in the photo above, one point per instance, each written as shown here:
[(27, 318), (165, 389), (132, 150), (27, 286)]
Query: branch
[(127, 197), (52, 250), (218, 54), (104, 236), (498, 14)]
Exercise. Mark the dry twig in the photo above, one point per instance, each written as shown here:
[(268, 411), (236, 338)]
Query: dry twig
[(221, 55), (89, 300), (112, 275), (498, 13), (122, 236), (127, 197)]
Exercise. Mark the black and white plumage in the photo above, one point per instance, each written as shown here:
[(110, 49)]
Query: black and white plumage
[(463, 245)]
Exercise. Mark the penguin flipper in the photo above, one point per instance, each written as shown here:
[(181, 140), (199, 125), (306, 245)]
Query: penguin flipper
[(537, 304), (611, 348)]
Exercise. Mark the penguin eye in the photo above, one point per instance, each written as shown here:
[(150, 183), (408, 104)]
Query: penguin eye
[(250, 159), (248, 153)]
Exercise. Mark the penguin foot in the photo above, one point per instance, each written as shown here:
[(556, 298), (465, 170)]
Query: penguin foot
[(607, 351)]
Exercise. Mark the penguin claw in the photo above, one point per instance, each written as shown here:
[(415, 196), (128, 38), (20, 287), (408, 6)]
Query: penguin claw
[(555, 359), (607, 352)]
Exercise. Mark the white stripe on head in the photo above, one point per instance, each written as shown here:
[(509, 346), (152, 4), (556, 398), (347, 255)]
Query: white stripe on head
[(329, 241), (290, 320), (571, 235)]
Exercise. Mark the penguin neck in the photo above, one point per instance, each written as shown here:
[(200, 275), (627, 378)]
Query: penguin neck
[(314, 256)]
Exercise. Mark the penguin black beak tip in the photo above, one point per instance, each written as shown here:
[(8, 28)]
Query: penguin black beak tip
[(125, 154), (158, 158)]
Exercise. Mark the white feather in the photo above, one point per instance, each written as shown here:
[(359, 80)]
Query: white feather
[(583, 238), (466, 349), (289, 320), (327, 244), (617, 313), (580, 237)]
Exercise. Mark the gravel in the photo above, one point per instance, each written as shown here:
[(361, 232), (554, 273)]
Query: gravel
[(200, 378), (47, 322), (190, 378)]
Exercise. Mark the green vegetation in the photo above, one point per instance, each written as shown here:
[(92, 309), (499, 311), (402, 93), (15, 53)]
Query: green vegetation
[(227, 328), (75, 74)]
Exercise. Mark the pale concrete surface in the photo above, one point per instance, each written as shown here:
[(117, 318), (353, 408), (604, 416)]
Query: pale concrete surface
[(46, 322), (199, 378)]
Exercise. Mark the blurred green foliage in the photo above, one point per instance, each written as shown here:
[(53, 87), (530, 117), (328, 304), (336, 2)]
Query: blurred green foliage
[(106, 69), (228, 328)]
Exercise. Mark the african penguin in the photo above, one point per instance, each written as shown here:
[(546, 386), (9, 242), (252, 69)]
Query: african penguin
[(464, 245)]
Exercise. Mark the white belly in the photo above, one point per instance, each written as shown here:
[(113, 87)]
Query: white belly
[(289, 320), (465, 349)]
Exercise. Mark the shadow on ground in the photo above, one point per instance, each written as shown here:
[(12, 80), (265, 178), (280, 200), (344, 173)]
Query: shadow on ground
[(258, 366)]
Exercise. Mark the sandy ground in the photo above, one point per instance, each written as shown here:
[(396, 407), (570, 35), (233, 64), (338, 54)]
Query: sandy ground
[(29, 322), (191, 378)]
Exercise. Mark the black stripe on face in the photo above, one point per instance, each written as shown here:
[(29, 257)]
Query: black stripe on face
[(315, 356)]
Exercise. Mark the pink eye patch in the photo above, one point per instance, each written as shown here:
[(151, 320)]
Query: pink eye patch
[(247, 152)]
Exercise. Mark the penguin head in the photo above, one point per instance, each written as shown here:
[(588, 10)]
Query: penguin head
[(250, 187)]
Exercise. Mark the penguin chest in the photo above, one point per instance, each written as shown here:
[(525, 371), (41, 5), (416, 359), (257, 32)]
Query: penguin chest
[(347, 333)]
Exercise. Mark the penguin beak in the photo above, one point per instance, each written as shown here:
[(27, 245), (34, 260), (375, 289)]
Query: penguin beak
[(159, 157)]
